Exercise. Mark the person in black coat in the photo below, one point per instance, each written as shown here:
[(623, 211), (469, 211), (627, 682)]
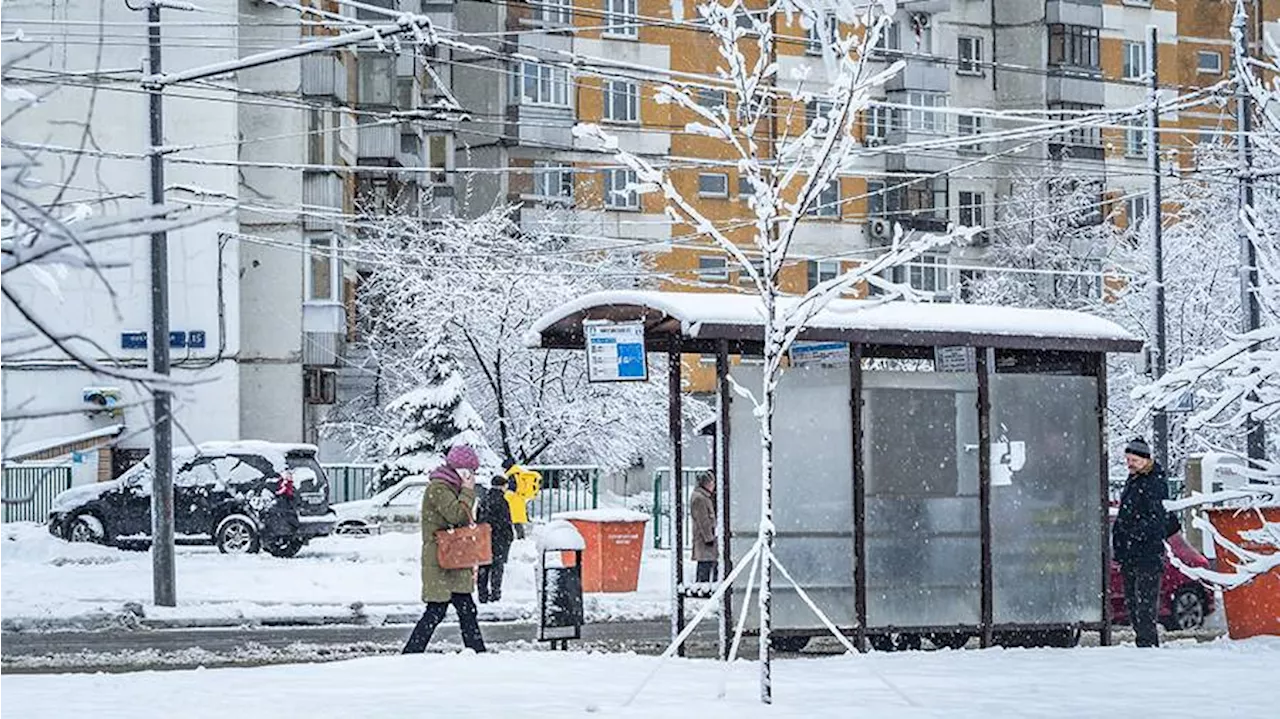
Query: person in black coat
[(1137, 539), (495, 511)]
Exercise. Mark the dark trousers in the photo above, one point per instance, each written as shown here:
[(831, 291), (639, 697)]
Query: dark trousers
[(1142, 600), (706, 572), (468, 624), (489, 580)]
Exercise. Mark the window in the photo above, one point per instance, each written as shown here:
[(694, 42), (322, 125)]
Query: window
[(709, 98), (828, 202), (928, 273), (621, 101), (971, 209), (438, 156), (713, 184), (1135, 138), (377, 80), (1135, 60), (620, 18), (889, 41), (1209, 61), (538, 84), (969, 56), (713, 269), (919, 204), (552, 180), (617, 193), (969, 125), (822, 271), (878, 119), (745, 189), (1084, 283), (319, 137), (815, 110), (1081, 142), (821, 31), (554, 12), (922, 119), (410, 496), (744, 277), (322, 272), (875, 199), (1135, 211), (1074, 46)]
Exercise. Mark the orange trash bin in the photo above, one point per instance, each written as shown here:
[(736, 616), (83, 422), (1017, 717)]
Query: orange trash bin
[(1254, 608), (615, 545)]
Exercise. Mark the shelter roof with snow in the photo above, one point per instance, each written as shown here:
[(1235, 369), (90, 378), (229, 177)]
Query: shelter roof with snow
[(698, 321)]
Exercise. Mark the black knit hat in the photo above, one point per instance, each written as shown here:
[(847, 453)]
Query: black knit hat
[(1138, 447)]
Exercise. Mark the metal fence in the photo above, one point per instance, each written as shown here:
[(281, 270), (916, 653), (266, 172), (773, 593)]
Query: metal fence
[(565, 487), (29, 490), (662, 527)]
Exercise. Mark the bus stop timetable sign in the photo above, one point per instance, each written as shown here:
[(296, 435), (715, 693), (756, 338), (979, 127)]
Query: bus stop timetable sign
[(615, 351)]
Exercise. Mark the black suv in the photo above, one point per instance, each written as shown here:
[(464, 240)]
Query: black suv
[(242, 496)]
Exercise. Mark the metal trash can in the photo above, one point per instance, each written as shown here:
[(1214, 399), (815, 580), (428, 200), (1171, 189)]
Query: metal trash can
[(560, 614)]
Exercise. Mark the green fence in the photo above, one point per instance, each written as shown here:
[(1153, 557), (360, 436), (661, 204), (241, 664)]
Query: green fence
[(662, 527), (565, 487), (29, 490)]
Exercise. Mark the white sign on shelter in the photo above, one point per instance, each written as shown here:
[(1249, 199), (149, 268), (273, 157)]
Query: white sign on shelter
[(615, 351)]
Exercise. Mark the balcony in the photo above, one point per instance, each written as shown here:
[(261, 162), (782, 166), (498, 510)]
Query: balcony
[(324, 76), (920, 74), (1074, 12), (1071, 85), (320, 191), (1066, 150), (926, 6), (378, 143)]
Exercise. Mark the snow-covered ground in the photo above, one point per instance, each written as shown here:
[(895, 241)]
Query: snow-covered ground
[(1179, 680), (49, 583)]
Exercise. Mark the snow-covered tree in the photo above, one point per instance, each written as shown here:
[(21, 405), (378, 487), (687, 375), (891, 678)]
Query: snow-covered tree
[(788, 173), (434, 417), (483, 281)]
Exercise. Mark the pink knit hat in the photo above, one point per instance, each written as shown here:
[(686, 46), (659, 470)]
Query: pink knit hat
[(462, 457)]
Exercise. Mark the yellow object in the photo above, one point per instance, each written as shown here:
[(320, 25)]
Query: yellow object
[(528, 484)]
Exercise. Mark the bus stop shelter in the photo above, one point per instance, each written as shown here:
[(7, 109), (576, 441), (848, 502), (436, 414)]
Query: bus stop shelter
[(940, 469)]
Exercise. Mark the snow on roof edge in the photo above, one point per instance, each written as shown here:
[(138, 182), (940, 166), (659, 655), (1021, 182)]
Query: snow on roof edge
[(45, 445)]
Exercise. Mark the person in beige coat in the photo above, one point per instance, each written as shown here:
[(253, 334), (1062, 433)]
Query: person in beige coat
[(702, 513), (447, 504)]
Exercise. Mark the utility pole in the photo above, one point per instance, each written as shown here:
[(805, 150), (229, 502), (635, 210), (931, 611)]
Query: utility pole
[(162, 569), (1155, 219), (1256, 442)]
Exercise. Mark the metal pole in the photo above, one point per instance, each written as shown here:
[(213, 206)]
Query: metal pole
[(162, 572), (1257, 437), (674, 401), (724, 547), (985, 365), (1160, 419)]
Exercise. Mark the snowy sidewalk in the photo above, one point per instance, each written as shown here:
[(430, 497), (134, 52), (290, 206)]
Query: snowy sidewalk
[(50, 584), (1181, 680)]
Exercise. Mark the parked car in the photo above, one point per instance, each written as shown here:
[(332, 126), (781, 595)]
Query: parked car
[(241, 496), (1184, 602), (397, 508)]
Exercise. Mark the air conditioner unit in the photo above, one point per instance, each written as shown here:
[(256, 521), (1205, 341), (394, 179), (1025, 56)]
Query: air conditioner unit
[(319, 386), (880, 229)]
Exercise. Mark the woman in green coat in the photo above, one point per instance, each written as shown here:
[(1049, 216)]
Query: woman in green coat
[(446, 504)]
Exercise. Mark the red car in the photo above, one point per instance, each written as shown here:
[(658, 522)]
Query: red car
[(1184, 602)]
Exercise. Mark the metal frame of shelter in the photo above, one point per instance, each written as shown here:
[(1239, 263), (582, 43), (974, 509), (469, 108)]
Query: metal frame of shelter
[(1040, 353)]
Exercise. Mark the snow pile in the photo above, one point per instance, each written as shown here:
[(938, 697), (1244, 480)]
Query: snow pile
[(617, 514), (1177, 680), (559, 534), (48, 584)]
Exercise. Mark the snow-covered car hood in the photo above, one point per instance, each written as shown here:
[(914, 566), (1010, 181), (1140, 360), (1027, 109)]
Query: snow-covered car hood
[(355, 509), (78, 496)]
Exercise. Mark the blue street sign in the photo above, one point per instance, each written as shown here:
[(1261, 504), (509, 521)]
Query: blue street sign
[(177, 338), (133, 340), (195, 339)]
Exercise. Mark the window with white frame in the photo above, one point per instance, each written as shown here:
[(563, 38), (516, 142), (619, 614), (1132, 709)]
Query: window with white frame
[(1135, 138), (552, 180), (713, 269), (969, 126), (815, 110), (928, 273), (971, 212), (969, 55), (710, 98), (878, 119), (323, 274), (744, 277), (713, 184), (618, 191), (554, 12), (921, 117), (875, 198), (537, 84), (620, 18), (827, 203), (822, 30), (1135, 60), (1209, 61), (621, 101), (1135, 211), (889, 41), (822, 271)]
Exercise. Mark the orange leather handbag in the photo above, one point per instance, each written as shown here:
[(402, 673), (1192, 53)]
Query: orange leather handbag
[(464, 547)]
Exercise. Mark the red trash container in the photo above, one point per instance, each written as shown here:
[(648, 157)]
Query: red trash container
[(1254, 608), (615, 545)]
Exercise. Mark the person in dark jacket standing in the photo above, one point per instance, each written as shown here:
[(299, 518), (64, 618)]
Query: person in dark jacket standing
[(1137, 539), (495, 512), (702, 513)]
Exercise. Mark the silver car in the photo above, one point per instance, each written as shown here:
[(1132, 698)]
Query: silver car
[(395, 509)]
